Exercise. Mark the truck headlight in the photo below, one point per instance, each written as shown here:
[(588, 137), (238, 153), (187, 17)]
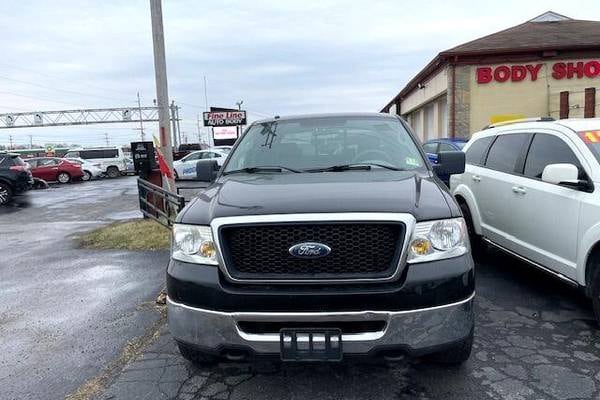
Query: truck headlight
[(436, 240), (193, 244)]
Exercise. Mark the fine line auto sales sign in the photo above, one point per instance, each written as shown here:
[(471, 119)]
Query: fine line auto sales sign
[(224, 118)]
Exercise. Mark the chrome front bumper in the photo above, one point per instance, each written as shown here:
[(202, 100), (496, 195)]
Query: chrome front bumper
[(415, 331)]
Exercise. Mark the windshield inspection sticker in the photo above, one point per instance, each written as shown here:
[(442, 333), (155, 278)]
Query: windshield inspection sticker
[(411, 161)]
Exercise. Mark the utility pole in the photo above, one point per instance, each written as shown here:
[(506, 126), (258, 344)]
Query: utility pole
[(239, 127), (30, 142), (174, 122), (141, 123), (211, 139), (178, 127), (198, 126), (11, 142), (162, 94), (106, 138)]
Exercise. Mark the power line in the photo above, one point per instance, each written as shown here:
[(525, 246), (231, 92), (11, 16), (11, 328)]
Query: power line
[(36, 98), (20, 68), (58, 89)]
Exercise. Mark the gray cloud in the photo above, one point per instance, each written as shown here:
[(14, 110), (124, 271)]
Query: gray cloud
[(280, 57)]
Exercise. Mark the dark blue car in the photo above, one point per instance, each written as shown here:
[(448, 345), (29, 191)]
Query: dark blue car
[(434, 146)]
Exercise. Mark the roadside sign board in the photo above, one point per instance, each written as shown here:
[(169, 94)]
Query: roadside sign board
[(225, 132), (224, 118)]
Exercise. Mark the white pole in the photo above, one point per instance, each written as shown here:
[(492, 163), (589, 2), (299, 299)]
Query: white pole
[(141, 123), (162, 94), (211, 140)]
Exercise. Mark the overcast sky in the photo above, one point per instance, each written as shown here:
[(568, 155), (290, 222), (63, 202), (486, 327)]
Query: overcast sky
[(279, 57)]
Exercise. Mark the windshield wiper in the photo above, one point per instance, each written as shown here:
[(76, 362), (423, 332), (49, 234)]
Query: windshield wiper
[(251, 170), (356, 166)]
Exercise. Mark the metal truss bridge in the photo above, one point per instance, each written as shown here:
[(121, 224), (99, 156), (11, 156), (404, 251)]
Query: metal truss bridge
[(78, 117)]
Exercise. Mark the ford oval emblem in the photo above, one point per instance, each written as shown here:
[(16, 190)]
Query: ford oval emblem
[(310, 250)]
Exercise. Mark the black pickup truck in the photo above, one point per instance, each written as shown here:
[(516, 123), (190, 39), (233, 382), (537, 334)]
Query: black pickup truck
[(323, 237)]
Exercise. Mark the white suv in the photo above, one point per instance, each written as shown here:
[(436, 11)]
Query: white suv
[(533, 189)]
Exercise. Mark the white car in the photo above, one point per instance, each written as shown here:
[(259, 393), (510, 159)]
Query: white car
[(186, 167), (532, 189), (112, 160), (226, 149), (90, 170)]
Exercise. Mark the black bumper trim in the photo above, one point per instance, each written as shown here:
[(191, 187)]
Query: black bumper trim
[(421, 285)]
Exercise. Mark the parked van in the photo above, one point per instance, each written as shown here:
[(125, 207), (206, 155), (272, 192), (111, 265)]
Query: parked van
[(112, 161)]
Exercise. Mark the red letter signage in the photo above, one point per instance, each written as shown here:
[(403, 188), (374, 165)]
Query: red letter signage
[(484, 75), (519, 73)]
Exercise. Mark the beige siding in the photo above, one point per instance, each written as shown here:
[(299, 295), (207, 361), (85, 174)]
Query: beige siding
[(432, 88)]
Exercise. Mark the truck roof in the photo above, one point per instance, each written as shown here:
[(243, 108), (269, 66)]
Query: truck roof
[(327, 115)]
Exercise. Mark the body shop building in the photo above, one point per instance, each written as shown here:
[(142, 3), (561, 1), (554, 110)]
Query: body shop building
[(548, 66)]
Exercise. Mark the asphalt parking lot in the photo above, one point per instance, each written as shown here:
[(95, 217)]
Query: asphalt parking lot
[(535, 339), (67, 315)]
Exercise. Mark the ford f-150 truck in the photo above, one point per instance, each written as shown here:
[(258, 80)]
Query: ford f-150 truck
[(323, 237)]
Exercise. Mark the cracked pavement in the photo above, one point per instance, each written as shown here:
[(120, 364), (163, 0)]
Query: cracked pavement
[(535, 338), (67, 313)]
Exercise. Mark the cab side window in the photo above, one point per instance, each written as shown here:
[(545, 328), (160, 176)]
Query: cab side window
[(46, 162), (476, 151), (193, 157), (505, 152), (430, 148), (548, 149), (446, 147)]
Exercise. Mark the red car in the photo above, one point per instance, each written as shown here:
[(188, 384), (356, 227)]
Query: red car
[(54, 169)]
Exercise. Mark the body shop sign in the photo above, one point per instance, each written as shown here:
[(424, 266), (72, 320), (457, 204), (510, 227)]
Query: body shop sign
[(224, 118), (517, 73)]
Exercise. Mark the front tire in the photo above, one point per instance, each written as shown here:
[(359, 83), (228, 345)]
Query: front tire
[(113, 172), (87, 176), (196, 357), (478, 246), (595, 286), (63, 177), (6, 193)]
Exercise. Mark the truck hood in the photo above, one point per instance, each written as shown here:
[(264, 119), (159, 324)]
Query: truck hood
[(324, 192)]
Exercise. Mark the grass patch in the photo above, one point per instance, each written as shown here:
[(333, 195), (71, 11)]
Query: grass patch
[(139, 234)]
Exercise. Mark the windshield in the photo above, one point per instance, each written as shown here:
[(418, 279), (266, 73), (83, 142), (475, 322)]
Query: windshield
[(306, 144), (592, 140), (460, 145)]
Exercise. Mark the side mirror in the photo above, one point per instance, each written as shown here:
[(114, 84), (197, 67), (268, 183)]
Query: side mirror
[(450, 163), (565, 175), (557, 173), (206, 170)]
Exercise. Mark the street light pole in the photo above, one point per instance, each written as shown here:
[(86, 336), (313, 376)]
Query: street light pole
[(162, 95)]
